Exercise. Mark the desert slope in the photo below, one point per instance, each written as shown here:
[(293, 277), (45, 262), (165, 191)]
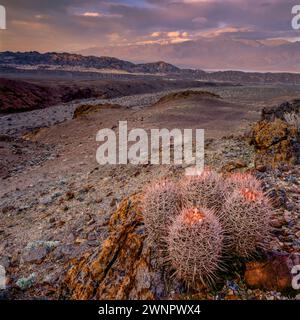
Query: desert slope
[(60, 207)]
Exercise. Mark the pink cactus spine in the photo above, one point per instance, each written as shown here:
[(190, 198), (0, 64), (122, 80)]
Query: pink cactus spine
[(208, 190), (246, 219), (162, 202), (243, 180)]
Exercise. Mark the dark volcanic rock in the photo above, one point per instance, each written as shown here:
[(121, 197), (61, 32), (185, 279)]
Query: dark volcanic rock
[(276, 136), (17, 95), (270, 114), (35, 255)]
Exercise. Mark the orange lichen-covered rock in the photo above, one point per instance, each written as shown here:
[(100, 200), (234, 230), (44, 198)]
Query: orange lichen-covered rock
[(275, 143), (274, 273), (121, 268)]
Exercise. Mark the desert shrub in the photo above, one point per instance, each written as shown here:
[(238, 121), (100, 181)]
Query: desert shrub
[(25, 283), (195, 246), (293, 119)]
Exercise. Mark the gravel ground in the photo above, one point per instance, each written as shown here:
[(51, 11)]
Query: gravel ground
[(58, 209), (19, 123), (51, 221)]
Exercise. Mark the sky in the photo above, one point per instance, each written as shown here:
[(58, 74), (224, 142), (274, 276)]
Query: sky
[(70, 25)]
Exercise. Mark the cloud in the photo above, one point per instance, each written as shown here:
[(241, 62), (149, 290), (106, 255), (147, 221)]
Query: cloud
[(100, 15), (200, 20), (72, 24), (92, 14), (155, 34), (173, 34), (226, 30)]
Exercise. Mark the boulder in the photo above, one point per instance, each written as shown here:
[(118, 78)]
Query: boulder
[(276, 143), (278, 112), (235, 165), (272, 274)]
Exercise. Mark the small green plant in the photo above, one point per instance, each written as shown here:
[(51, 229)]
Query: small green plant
[(25, 283), (49, 245)]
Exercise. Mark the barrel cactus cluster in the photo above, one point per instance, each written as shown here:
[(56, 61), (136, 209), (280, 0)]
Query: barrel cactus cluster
[(200, 223)]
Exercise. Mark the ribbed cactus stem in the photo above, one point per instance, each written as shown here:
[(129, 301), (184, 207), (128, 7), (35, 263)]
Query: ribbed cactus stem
[(246, 218), (208, 190), (162, 202), (195, 246)]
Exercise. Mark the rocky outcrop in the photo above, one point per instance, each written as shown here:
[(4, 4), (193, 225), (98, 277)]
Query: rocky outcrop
[(121, 269), (275, 143), (157, 67), (187, 94), (278, 112), (89, 108)]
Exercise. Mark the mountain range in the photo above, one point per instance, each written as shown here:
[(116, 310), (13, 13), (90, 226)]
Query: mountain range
[(34, 58), (76, 62), (213, 53)]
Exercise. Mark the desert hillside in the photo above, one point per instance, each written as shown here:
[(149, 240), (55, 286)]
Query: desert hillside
[(58, 204)]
